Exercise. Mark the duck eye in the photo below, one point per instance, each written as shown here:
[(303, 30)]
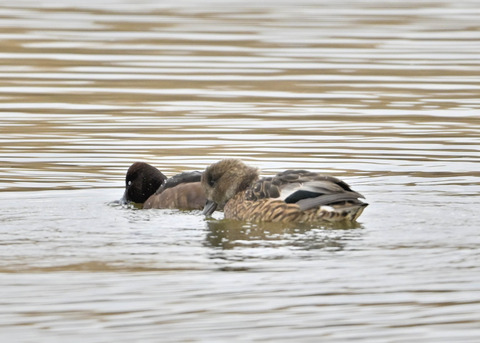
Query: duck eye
[(211, 181), (129, 183)]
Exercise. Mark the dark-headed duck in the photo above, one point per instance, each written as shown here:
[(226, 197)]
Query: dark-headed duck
[(290, 196), (146, 184)]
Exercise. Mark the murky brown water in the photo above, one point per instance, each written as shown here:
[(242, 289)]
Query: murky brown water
[(385, 95)]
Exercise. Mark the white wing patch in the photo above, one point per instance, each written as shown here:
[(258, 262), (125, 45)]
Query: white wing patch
[(290, 189), (319, 187)]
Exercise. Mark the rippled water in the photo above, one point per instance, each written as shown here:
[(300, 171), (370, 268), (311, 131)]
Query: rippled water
[(384, 95)]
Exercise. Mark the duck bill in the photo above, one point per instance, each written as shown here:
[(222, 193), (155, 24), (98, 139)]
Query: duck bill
[(124, 199), (209, 208)]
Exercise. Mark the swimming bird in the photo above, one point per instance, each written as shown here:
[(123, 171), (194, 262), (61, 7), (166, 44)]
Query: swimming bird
[(146, 184), (289, 196)]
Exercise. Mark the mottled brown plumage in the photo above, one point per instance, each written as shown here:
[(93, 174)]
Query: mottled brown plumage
[(146, 184), (290, 196)]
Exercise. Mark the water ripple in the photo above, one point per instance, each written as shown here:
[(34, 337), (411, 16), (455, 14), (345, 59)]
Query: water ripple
[(383, 95)]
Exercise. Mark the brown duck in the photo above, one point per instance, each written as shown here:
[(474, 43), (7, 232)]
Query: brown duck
[(146, 184), (290, 196)]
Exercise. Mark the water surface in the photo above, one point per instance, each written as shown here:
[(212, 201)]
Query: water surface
[(384, 95)]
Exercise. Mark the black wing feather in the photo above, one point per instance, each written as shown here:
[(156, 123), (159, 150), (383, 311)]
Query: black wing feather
[(185, 177)]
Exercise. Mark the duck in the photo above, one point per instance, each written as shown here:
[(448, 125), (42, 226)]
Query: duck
[(290, 196), (145, 184)]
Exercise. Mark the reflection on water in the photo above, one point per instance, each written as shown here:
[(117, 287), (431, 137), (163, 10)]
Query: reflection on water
[(230, 234), (384, 95)]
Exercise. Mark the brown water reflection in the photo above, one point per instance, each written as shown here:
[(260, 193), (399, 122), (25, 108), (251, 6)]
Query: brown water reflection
[(382, 94), (229, 234)]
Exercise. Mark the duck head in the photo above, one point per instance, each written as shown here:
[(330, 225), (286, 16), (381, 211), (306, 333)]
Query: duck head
[(222, 180), (141, 181)]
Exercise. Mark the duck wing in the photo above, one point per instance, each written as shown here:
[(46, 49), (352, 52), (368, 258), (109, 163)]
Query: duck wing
[(185, 177), (182, 191), (304, 188)]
